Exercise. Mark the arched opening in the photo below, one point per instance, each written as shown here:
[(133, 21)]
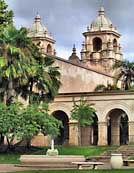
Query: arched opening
[(115, 45), (97, 44), (63, 137), (95, 130), (117, 123), (49, 49)]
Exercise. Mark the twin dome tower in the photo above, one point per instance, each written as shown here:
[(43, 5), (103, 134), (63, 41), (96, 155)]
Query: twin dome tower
[(100, 49)]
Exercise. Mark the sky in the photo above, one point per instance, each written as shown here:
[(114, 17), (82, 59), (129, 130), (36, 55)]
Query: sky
[(68, 19)]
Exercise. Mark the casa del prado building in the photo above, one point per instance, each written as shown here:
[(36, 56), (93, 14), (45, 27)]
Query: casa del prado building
[(114, 117)]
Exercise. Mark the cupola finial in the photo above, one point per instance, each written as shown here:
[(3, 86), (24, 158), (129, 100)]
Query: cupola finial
[(101, 11), (74, 49)]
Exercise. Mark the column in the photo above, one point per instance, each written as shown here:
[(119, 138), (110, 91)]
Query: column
[(74, 133), (115, 133), (102, 133), (131, 132)]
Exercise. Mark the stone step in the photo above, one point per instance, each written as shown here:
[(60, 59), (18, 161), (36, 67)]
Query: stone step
[(123, 153), (126, 152), (98, 158)]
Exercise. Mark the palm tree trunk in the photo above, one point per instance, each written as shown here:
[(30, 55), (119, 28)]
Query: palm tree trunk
[(31, 89), (10, 93)]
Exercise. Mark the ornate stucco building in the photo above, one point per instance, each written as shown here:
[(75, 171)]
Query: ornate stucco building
[(114, 118)]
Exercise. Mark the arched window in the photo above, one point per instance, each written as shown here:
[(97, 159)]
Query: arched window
[(49, 49), (97, 44), (115, 45)]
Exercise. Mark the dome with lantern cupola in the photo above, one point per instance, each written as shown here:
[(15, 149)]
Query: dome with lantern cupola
[(37, 29), (101, 22)]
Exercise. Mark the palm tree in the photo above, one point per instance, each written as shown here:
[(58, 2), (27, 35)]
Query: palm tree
[(44, 84), (83, 113), (24, 70), (125, 73), (15, 61), (54, 74)]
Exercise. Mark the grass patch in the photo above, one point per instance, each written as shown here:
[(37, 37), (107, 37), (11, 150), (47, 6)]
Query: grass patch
[(80, 150), (9, 158), (79, 171), (131, 158)]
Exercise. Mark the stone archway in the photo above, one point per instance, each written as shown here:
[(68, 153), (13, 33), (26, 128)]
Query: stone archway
[(117, 127), (63, 137)]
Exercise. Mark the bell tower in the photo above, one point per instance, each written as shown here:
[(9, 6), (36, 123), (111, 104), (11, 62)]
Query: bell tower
[(41, 36), (101, 47)]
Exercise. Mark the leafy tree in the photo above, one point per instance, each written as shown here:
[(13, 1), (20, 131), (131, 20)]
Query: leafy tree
[(125, 73), (83, 113), (6, 16), (9, 121), (35, 119), (23, 123)]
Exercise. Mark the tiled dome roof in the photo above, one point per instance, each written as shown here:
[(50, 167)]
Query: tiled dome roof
[(37, 29), (101, 22)]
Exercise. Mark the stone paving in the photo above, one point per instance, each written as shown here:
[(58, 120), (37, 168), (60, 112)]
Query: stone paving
[(12, 167)]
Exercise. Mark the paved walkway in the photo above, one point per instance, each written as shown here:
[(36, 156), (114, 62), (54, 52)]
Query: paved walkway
[(15, 167), (12, 167)]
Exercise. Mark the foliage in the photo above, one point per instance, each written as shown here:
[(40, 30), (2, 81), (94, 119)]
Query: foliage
[(100, 87), (35, 119), (125, 73), (24, 70), (5, 15), (44, 84), (23, 123), (9, 121), (109, 87), (131, 88), (15, 61), (83, 113)]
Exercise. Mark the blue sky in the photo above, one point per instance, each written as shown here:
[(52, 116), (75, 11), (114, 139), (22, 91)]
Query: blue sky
[(68, 19)]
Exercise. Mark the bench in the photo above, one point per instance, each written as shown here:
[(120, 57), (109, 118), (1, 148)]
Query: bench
[(127, 162), (81, 164)]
